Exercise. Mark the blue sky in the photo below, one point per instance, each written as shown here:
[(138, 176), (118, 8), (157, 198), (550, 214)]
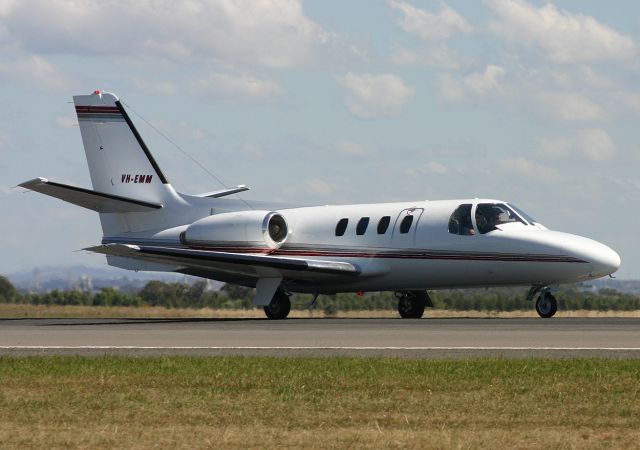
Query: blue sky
[(331, 102)]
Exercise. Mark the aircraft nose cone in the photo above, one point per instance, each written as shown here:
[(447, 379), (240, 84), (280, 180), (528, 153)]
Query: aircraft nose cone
[(601, 260), (604, 260)]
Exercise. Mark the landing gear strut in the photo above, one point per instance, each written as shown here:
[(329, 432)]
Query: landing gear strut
[(279, 307), (546, 303), (411, 304)]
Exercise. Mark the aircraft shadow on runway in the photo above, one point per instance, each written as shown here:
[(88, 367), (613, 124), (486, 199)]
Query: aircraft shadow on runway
[(66, 321)]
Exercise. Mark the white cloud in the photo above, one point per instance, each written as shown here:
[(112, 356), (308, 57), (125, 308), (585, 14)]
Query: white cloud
[(476, 84), (596, 144), (435, 167), (37, 73), (267, 33), (369, 96), (593, 144), (561, 36), (353, 149), (318, 186), (66, 121), (439, 56), (576, 96), (155, 87), (529, 169), (179, 130), (569, 107), (222, 86), (483, 82), (429, 25), (252, 150)]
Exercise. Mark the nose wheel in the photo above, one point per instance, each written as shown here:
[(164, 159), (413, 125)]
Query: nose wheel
[(546, 305)]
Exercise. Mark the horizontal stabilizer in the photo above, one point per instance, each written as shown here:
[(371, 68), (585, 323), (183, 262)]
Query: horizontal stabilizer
[(97, 201), (225, 192), (202, 257)]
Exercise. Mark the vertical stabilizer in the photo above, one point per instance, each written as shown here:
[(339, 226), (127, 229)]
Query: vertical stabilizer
[(119, 161), (120, 164)]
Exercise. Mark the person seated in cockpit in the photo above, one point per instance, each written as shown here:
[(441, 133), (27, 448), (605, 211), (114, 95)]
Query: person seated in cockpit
[(467, 227), (488, 217), (485, 219), (498, 216)]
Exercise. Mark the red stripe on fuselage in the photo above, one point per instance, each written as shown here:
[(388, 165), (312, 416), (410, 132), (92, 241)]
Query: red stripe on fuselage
[(396, 254)]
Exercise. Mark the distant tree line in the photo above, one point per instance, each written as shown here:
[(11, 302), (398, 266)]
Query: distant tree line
[(196, 295)]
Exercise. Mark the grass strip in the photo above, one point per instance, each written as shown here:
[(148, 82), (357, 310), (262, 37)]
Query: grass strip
[(21, 311), (250, 402)]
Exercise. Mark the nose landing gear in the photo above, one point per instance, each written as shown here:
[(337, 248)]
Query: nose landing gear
[(546, 303)]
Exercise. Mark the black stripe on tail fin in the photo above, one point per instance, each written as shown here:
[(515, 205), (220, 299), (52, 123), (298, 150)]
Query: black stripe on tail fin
[(144, 147)]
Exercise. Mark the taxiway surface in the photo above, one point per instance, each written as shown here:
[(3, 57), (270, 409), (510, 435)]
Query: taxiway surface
[(425, 338)]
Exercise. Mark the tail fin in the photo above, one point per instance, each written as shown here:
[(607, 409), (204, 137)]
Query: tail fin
[(119, 161), (121, 165)]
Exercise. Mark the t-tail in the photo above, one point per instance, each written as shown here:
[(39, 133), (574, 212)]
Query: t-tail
[(130, 191)]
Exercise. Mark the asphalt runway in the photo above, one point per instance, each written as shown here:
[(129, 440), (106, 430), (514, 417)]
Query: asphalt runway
[(425, 338)]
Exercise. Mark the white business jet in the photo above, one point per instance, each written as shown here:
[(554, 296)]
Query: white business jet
[(406, 247)]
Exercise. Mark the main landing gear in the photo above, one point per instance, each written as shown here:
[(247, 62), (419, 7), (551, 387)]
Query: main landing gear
[(411, 304), (279, 307), (546, 303)]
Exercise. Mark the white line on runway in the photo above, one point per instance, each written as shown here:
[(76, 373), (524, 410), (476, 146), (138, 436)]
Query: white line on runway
[(136, 347)]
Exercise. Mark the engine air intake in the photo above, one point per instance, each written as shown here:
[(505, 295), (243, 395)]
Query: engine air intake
[(277, 228)]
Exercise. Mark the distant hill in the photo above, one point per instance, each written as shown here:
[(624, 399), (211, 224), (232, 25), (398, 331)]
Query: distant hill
[(47, 278), (626, 286)]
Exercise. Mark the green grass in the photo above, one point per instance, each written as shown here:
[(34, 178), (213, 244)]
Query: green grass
[(240, 402)]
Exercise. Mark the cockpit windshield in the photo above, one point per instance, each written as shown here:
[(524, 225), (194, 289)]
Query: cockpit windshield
[(490, 215), (523, 214)]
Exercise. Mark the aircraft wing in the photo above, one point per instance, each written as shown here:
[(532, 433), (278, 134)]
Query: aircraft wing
[(252, 265)]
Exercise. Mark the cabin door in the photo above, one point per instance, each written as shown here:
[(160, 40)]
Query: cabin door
[(404, 228)]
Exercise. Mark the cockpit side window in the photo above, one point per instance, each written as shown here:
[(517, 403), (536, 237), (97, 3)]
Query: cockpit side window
[(460, 221), (490, 215)]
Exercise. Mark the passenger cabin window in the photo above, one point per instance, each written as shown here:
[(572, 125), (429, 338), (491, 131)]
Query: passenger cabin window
[(490, 215), (361, 228), (383, 224), (405, 225), (341, 227), (460, 221)]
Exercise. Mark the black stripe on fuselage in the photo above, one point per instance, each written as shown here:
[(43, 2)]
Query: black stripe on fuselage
[(144, 147)]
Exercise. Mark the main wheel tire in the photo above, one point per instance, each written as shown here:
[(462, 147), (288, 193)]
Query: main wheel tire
[(411, 304), (546, 305), (279, 307)]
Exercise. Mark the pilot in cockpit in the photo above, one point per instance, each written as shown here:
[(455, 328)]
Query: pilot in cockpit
[(489, 216)]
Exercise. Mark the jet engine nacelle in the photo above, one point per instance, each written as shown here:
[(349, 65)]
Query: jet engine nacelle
[(261, 229)]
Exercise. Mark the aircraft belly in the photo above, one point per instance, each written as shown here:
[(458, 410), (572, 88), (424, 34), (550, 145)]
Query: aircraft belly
[(411, 274)]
